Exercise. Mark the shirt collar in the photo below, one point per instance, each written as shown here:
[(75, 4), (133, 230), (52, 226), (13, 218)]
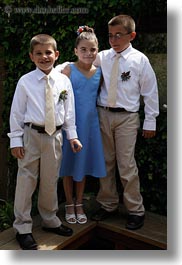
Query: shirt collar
[(41, 74), (124, 54)]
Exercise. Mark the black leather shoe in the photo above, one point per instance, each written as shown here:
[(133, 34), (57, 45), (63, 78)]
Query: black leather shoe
[(135, 221), (26, 241), (62, 230), (102, 214)]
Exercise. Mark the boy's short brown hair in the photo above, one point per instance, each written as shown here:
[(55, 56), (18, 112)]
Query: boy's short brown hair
[(43, 39), (126, 21)]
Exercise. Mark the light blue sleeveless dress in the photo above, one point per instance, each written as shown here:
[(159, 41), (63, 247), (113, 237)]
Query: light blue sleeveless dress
[(90, 160)]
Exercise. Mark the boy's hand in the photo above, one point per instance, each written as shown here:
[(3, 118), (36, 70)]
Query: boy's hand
[(148, 134), (18, 152), (75, 145)]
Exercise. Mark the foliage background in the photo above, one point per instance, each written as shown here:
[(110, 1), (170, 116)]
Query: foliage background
[(20, 20)]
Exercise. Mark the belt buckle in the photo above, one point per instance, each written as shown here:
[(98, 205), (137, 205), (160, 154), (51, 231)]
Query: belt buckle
[(106, 108)]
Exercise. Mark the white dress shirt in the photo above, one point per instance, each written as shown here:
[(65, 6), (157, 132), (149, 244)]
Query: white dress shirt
[(142, 82), (29, 104)]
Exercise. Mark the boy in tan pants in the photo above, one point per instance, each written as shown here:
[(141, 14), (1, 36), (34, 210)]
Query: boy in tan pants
[(118, 106), (36, 139)]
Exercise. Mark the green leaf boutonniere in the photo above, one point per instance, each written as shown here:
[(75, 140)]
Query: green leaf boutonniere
[(63, 95), (125, 76)]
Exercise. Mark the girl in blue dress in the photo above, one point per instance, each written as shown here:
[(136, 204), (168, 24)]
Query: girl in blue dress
[(85, 79)]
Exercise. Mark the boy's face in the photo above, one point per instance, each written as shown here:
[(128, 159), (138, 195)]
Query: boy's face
[(119, 38), (86, 51), (44, 57)]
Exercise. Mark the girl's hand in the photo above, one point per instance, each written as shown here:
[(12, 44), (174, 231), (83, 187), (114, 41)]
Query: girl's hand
[(75, 145)]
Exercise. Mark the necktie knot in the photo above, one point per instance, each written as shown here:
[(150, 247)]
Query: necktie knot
[(118, 55), (47, 78)]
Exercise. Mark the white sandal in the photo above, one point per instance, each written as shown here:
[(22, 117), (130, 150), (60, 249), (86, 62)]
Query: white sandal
[(81, 217), (70, 217)]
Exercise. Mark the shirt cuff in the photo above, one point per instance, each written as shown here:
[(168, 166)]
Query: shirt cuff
[(149, 125), (16, 142), (71, 134)]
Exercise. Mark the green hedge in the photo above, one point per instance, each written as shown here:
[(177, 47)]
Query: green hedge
[(20, 20)]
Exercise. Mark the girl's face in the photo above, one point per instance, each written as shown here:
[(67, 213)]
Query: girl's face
[(119, 38), (86, 51), (44, 57)]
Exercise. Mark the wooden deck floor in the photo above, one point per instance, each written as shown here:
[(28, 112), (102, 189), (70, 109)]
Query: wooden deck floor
[(153, 235)]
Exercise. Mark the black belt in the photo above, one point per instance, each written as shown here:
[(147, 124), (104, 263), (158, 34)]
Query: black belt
[(40, 129), (113, 109)]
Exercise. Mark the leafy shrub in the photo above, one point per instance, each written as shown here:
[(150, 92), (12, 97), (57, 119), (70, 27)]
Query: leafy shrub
[(6, 215), (151, 157), (16, 29)]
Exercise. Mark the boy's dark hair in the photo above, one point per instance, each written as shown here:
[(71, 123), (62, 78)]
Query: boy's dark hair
[(42, 39), (85, 33), (126, 21)]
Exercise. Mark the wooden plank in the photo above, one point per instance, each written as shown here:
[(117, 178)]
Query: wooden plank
[(46, 240), (122, 241), (56, 242), (153, 235), (81, 240), (6, 236), (154, 231)]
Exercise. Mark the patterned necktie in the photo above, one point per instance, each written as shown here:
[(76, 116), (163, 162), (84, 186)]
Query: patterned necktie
[(113, 82), (50, 124)]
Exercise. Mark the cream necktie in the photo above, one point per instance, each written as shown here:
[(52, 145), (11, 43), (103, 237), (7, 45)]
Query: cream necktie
[(113, 82), (50, 124)]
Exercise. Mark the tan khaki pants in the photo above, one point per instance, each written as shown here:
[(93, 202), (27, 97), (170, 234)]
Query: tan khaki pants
[(42, 159), (119, 132)]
